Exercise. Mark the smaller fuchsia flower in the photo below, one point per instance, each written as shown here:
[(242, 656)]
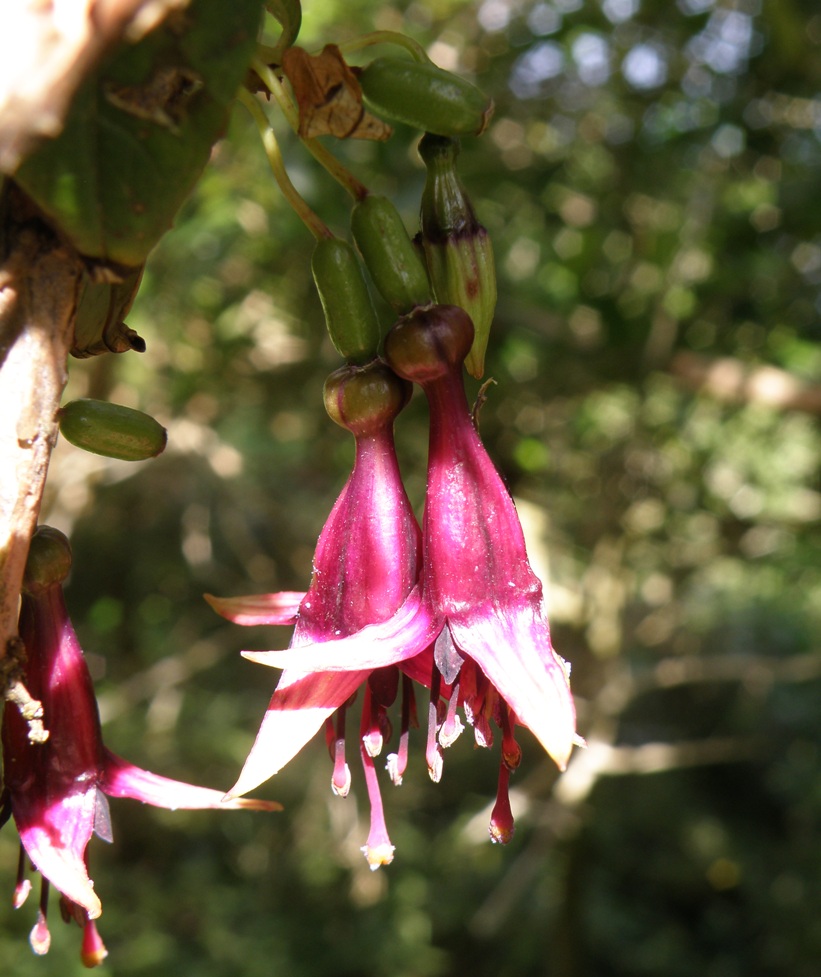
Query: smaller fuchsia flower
[(478, 600), (365, 565), (56, 790)]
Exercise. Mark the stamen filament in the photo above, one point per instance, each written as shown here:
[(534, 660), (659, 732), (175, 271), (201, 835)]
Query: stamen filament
[(378, 849), (433, 752), (341, 779), (398, 762), (452, 727), (40, 938), (23, 885), (511, 751)]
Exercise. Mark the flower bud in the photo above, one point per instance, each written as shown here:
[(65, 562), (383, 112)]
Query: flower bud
[(112, 430), (425, 97), (457, 247), (365, 399), (389, 254), (349, 313), (429, 342), (49, 560)]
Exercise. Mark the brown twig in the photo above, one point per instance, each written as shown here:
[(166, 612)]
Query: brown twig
[(39, 284)]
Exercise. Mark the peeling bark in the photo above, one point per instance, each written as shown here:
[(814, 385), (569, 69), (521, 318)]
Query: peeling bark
[(40, 278)]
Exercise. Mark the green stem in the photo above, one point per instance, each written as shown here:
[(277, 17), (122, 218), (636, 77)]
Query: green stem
[(327, 160), (414, 48), (311, 220)]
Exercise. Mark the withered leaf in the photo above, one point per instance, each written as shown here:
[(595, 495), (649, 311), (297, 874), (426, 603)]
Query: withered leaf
[(329, 96)]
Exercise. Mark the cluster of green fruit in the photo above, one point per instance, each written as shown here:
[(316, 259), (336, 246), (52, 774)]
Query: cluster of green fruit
[(449, 261)]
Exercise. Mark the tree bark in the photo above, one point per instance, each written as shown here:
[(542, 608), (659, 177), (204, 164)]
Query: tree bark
[(40, 279)]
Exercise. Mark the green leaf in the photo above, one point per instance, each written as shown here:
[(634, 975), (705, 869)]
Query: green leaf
[(141, 130)]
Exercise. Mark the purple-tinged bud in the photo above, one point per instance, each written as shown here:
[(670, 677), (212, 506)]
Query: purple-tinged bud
[(458, 250), (429, 342), (365, 399)]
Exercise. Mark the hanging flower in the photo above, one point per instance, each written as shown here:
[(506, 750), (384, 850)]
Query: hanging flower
[(478, 601), (56, 790), (365, 565)]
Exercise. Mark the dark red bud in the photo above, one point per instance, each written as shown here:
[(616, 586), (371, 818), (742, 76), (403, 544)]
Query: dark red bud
[(429, 342)]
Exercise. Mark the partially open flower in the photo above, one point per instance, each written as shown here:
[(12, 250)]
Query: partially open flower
[(478, 600), (365, 565), (56, 790)]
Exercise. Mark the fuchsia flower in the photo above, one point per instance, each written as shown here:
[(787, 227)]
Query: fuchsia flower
[(56, 790), (478, 603), (365, 565)]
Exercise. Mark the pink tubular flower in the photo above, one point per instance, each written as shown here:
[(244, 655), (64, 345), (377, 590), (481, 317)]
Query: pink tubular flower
[(478, 601), (56, 790), (365, 565)]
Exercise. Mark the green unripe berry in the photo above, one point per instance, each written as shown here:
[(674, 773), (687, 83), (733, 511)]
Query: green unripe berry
[(49, 560), (112, 430), (365, 399), (425, 97), (389, 254), (349, 312)]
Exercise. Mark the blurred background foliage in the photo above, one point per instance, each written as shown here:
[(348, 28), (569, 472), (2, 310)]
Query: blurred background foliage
[(651, 181)]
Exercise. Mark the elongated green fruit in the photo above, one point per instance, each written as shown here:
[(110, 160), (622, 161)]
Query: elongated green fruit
[(389, 254), (424, 96), (349, 313), (112, 430)]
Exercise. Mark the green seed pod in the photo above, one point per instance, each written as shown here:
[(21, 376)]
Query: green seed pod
[(458, 250), (425, 97), (389, 254), (112, 430), (48, 562), (349, 313), (365, 399)]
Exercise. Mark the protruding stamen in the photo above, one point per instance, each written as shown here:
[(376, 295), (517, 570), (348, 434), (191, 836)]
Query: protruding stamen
[(23, 885), (501, 826), (330, 737), (92, 951), (511, 751), (433, 752), (452, 727), (71, 912), (398, 762), (372, 739), (40, 938), (341, 779), (378, 849)]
